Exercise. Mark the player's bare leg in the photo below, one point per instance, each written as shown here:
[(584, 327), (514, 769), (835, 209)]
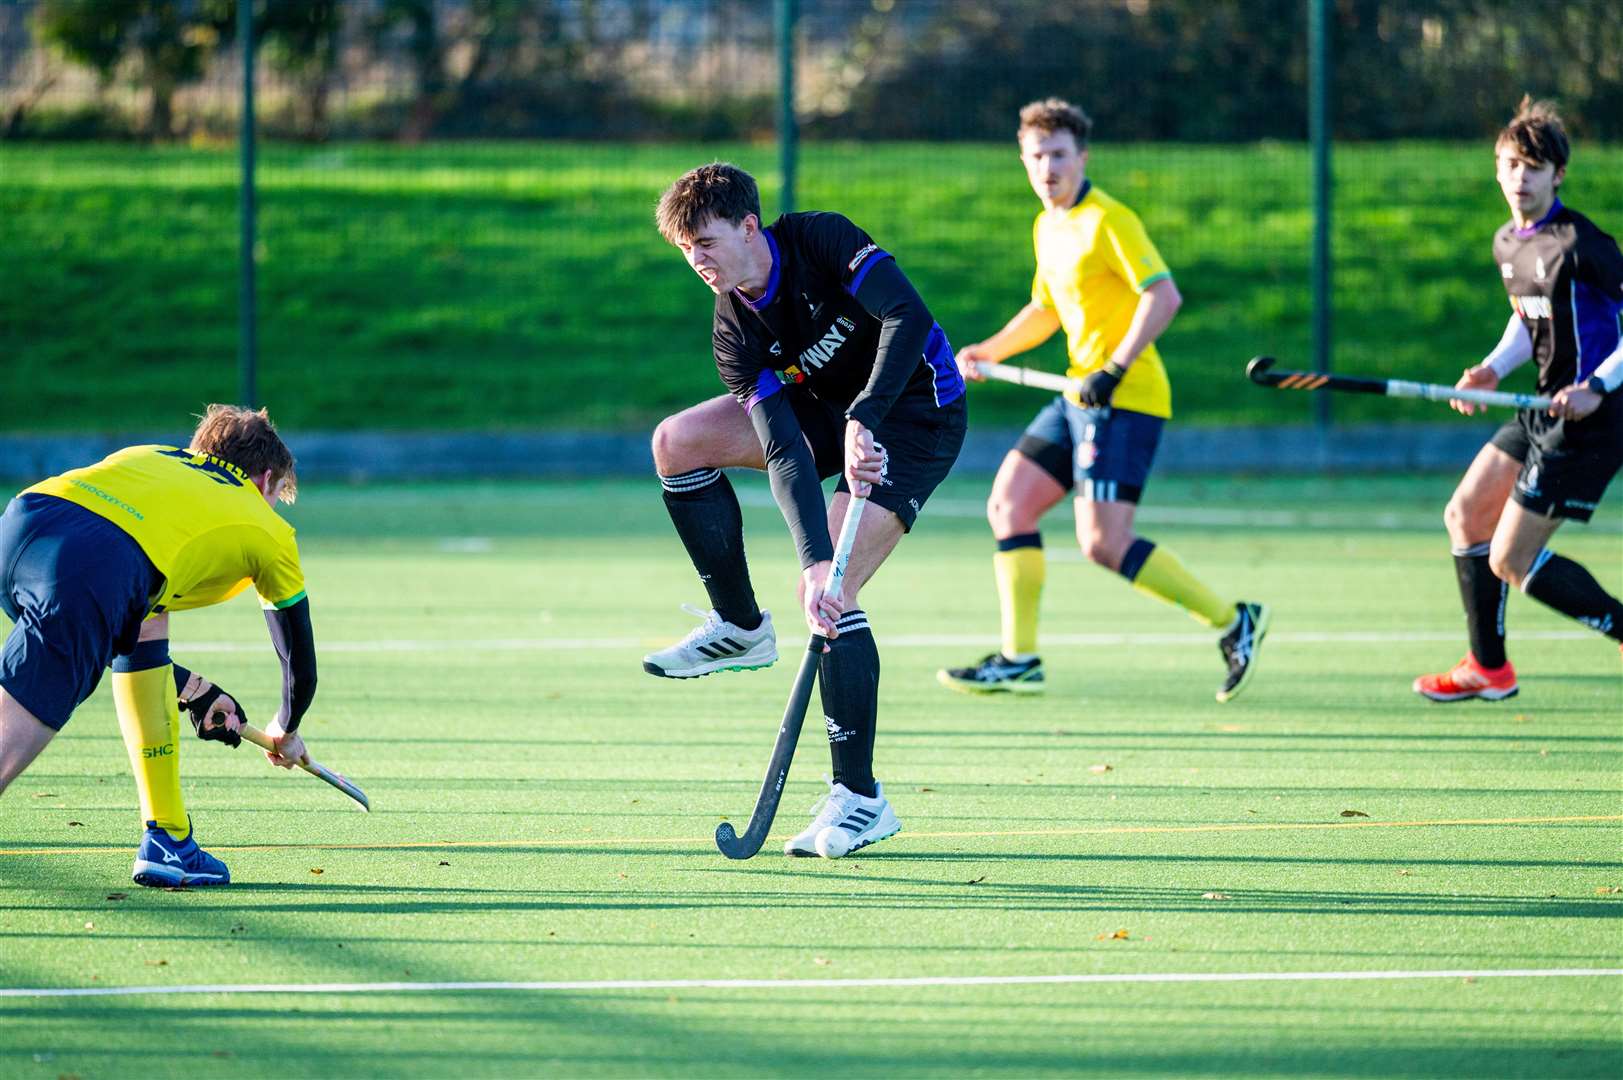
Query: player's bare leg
[(1021, 494), (22, 736), (855, 813), (690, 450), (1471, 517), (1521, 557)]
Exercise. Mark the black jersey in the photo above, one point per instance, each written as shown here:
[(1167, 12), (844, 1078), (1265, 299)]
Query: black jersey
[(809, 330), (1565, 280)]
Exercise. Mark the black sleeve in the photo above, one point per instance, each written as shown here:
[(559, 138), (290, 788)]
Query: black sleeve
[(182, 677), (1601, 264), (887, 295), (295, 644), (793, 474)]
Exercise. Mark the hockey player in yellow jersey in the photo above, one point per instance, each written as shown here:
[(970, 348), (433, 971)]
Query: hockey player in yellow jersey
[(92, 563), (1101, 280)]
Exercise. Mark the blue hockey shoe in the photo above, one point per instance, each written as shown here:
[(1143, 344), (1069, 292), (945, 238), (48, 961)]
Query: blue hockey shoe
[(163, 861)]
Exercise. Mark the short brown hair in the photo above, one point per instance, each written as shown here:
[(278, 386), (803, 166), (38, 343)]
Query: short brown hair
[(1536, 133), (1055, 114), (247, 439), (717, 190)]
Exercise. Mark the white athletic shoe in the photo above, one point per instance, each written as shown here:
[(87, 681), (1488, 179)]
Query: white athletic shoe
[(844, 821), (715, 645)]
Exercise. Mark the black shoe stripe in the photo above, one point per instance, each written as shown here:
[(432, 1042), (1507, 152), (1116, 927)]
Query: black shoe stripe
[(731, 644)]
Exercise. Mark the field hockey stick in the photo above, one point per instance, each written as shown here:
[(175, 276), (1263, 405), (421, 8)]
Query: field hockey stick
[(731, 844), (1042, 380), (309, 765), (1262, 372)]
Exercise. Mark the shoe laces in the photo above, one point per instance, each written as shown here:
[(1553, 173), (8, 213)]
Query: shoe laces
[(710, 625), (832, 805)]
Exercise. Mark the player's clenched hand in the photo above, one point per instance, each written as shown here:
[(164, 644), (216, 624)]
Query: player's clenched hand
[(1480, 377), (1574, 402), (214, 714), (864, 459), (971, 357), (822, 611), (289, 746)]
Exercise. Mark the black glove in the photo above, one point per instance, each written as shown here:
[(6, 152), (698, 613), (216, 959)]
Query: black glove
[(1099, 385), (198, 707)]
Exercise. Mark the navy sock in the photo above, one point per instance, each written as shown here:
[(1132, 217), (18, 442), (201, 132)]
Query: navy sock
[(704, 509), (1570, 589), (1483, 595), (848, 679)]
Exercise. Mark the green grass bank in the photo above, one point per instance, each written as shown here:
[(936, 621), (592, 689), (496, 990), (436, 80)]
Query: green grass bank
[(511, 285)]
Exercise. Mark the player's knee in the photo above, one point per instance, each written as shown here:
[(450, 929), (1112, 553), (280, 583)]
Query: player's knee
[(1007, 517), (673, 447), (1508, 567), (1100, 548)]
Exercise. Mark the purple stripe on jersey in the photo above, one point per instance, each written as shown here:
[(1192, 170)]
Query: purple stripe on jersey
[(767, 383), (771, 282), (869, 263), (949, 384), (1540, 223), (1594, 324)]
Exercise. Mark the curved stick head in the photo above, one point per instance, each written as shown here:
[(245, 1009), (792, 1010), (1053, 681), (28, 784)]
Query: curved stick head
[(1257, 369), (728, 843)]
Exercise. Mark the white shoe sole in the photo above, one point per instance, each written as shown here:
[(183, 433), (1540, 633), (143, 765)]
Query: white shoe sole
[(1011, 686), (750, 661), (162, 876), (1263, 617), (1485, 694)]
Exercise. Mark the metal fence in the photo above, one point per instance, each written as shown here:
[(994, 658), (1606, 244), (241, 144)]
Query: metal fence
[(454, 196)]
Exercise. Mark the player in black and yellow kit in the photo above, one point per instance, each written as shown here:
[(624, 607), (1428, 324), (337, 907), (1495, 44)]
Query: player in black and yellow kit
[(1564, 278), (1100, 280), (93, 561)]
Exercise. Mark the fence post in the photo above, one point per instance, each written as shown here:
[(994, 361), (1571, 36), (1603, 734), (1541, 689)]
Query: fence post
[(788, 133), (1319, 134), (247, 297)]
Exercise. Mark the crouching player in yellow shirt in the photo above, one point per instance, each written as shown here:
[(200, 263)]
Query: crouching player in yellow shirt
[(1102, 281), (93, 561)]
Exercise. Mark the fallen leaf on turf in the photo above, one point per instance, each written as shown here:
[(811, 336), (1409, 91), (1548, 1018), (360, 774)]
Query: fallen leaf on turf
[(1230, 728), (926, 789), (1251, 811), (239, 929), (1404, 873), (976, 881), (220, 1054), (1100, 768), (317, 870), (118, 896), (44, 795), (72, 823), (822, 960), (1119, 935), (1353, 813), (444, 863), (1608, 890), (1216, 896), (157, 963), (90, 926)]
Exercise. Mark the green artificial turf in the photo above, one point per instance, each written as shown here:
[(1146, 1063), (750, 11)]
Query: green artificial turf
[(543, 811), (522, 285)]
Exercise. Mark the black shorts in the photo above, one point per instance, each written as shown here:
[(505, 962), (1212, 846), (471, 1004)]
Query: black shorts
[(77, 588), (1104, 454), (1565, 466), (921, 444)]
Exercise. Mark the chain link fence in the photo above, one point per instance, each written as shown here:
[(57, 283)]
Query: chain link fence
[(455, 196)]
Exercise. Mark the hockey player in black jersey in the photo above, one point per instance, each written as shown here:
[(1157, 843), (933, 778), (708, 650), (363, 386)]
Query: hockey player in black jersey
[(833, 366), (1564, 278)]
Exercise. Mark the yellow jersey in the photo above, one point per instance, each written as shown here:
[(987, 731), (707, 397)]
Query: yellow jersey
[(200, 520), (1093, 262)]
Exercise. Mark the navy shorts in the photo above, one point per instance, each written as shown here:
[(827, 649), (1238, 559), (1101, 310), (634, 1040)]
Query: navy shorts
[(77, 587), (1105, 454), (1566, 464)]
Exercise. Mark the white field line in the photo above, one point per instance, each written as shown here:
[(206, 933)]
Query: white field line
[(904, 641), (805, 984)]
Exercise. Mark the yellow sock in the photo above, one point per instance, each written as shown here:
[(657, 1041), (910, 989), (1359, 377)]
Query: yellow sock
[(1162, 575), (149, 717), (1020, 571)]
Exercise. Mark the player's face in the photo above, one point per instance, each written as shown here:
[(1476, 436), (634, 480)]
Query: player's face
[(721, 253), (1528, 186), (1054, 165)]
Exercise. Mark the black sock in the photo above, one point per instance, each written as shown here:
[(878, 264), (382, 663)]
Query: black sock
[(1570, 589), (848, 679), (1484, 597), (705, 511)]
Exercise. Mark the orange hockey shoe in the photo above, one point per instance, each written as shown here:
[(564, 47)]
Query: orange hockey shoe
[(1469, 679)]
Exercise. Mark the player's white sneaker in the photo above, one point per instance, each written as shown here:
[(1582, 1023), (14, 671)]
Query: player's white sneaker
[(844, 821), (715, 645)]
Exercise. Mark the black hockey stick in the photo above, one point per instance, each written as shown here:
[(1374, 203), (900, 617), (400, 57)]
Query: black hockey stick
[(731, 844), (1262, 372)]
